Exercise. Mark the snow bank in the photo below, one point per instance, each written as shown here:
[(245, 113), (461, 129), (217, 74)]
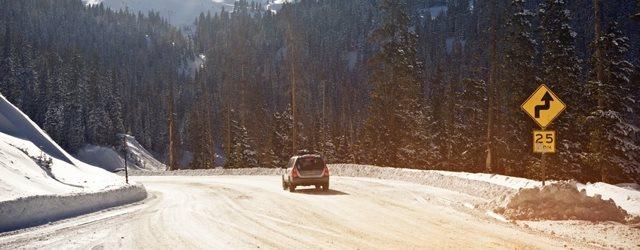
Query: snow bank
[(40, 181), (441, 179), (628, 199), (501, 180), (36, 210), (561, 201), (627, 196)]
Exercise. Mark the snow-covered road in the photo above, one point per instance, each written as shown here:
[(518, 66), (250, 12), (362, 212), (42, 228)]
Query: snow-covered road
[(253, 211)]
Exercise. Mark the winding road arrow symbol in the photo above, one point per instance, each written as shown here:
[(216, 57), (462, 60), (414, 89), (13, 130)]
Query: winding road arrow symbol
[(547, 98), (543, 99)]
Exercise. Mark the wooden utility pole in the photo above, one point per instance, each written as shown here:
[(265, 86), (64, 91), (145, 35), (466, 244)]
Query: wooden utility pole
[(293, 85), (171, 157), (490, 88), (324, 132), (208, 125), (228, 134), (599, 66), (543, 166)]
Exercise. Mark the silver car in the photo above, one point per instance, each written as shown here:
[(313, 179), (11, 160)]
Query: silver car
[(306, 170)]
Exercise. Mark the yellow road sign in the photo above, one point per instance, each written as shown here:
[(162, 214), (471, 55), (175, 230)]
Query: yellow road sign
[(544, 141), (543, 106)]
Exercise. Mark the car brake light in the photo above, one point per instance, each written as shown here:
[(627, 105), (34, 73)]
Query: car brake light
[(325, 171), (294, 173)]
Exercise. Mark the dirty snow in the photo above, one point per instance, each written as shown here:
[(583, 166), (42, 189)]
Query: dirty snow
[(561, 201)]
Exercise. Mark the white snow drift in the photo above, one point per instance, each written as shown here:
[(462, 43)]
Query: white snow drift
[(35, 170), (138, 158)]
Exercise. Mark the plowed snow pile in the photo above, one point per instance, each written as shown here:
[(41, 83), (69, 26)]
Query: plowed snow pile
[(561, 201)]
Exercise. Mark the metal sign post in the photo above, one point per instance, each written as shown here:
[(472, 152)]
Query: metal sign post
[(124, 148), (543, 106)]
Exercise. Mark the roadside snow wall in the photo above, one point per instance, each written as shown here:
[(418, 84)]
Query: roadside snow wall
[(561, 201), (37, 210)]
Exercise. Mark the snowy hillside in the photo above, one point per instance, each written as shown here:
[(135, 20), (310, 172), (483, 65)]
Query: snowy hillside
[(180, 12), (32, 165), (107, 158)]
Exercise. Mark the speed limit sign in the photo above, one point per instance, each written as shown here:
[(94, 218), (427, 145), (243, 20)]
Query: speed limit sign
[(544, 141)]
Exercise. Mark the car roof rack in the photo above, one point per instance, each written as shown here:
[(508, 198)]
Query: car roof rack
[(305, 152)]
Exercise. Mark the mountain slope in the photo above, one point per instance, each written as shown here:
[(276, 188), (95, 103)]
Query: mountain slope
[(180, 12)]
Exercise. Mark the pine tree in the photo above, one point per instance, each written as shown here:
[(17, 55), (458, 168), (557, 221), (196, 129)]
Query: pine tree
[(200, 131), (57, 100), (324, 143), (560, 70), (98, 122), (242, 153), (519, 80), (468, 141), (392, 132), (281, 136), (31, 85), (612, 151), (172, 132), (9, 80), (76, 106), (114, 109)]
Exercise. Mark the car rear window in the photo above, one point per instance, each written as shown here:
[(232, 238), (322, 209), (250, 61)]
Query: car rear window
[(310, 163)]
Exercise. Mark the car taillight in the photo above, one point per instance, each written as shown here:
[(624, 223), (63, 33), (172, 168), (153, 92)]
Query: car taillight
[(325, 171), (294, 172)]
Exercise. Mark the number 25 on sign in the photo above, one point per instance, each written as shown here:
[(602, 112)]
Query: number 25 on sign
[(544, 141)]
